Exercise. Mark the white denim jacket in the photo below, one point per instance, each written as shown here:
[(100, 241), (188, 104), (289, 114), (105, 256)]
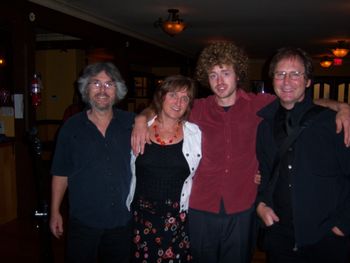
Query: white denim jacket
[(191, 149)]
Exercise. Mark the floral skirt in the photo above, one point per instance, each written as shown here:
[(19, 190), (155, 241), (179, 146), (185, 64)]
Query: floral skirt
[(160, 237)]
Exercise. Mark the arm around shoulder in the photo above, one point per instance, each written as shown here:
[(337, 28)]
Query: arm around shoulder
[(140, 134), (342, 118)]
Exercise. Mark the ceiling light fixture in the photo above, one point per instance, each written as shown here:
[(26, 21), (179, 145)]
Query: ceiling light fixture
[(173, 25), (326, 62), (341, 49)]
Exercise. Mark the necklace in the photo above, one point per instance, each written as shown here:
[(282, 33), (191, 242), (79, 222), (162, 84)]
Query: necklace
[(162, 141)]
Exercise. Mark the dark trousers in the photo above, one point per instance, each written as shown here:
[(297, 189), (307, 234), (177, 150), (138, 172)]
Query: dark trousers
[(331, 249), (222, 238), (86, 244)]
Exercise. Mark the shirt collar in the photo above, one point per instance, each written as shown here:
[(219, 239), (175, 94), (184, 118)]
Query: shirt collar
[(240, 95)]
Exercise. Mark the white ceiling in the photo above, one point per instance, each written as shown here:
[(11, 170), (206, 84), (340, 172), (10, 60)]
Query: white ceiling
[(260, 26)]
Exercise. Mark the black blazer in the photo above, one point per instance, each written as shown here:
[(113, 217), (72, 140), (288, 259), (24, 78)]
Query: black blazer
[(321, 173)]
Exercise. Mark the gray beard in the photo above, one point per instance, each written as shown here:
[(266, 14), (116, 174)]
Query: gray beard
[(105, 108)]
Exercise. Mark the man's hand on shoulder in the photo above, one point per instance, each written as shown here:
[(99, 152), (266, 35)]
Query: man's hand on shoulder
[(343, 122), (342, 119)]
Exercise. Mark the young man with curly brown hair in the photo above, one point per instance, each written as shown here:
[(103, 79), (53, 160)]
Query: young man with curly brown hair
[(222, 218)]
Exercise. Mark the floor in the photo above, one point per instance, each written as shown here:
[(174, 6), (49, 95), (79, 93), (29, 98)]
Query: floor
[(26, 240)]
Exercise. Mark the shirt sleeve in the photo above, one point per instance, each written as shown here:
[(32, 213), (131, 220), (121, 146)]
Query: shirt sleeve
[(61, 162), (196, 110), (343, 211), (264, 166)]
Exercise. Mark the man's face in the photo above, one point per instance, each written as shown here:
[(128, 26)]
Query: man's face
[(223, 82), (290, 82), (102, 92)]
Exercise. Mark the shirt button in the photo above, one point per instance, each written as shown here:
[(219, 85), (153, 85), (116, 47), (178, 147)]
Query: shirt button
[(289, 185), (289, 167), (112, 204), (226, 170), (187, 154), (198, 155)]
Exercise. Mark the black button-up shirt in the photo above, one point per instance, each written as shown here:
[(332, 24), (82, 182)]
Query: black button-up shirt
[(97, 167), (282, 196)]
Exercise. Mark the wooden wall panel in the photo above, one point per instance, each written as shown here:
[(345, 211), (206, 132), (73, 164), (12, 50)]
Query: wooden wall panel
[(8, 190)]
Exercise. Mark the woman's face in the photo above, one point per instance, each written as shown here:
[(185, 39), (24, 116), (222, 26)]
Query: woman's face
[(175, 103)]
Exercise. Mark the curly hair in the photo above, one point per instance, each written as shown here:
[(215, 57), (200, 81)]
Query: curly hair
[(170, 84), (291, 52), (220, 53)]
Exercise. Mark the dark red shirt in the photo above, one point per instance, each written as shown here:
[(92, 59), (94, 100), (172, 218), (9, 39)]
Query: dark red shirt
[(228, 166)]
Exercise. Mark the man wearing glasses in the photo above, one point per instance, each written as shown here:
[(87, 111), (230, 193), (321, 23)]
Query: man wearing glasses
[(304, 197), (92, 160)]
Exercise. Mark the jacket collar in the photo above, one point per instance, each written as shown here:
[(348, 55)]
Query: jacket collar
[(298, 111), (240, 95)]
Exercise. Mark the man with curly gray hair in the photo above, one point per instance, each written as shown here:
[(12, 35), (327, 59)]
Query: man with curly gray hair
[(92, 161)]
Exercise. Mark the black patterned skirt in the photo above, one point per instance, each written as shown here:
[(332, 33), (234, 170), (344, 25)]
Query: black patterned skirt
[(160, 235)]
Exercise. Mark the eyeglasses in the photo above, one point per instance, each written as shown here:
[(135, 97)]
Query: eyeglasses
[(96, 84), (293, 75)]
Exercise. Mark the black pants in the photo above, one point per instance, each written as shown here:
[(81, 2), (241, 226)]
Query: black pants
[(86, 244), (331, 249), (222, 238)]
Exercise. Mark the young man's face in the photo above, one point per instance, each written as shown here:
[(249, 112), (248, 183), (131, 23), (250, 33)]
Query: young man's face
[(223, 82), (290, 82)]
